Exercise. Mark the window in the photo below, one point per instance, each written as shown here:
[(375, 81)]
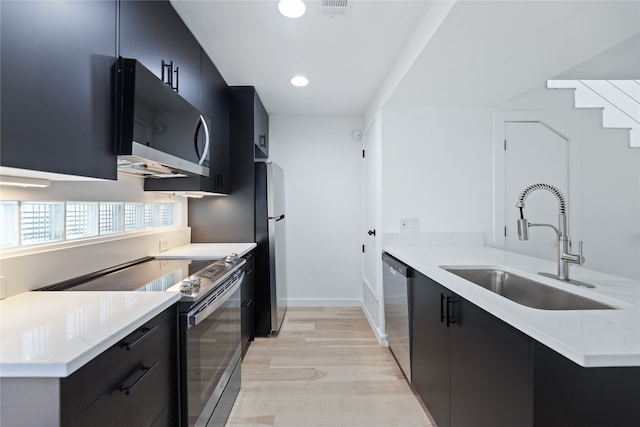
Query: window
[(30, 223), (41, 222), (111, 218), (9, 219), (81, 220), (133, 216)]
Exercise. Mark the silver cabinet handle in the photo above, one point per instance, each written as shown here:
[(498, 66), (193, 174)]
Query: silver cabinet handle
[(206, 137)]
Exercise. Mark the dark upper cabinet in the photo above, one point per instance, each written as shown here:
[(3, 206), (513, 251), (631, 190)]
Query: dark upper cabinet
[(260, 129), (152, 32), (253, 118), (215, 106), (56, 85)]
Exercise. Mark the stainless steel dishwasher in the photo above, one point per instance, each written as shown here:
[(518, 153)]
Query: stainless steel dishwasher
[(396, 282)]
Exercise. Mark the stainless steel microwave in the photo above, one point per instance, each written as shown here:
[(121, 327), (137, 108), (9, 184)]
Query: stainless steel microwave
[(158, 133)]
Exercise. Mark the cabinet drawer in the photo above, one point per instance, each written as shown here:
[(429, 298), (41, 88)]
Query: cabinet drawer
[(137, 398), (97, 377)]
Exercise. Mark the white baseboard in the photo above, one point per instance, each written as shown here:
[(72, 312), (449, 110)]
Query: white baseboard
[(382, 338)]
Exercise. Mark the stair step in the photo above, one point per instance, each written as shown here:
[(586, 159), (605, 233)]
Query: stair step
[(630, 87), (619, 101)]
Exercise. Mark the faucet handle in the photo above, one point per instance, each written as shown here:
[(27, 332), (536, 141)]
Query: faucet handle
[(580, 257), (573, 258)]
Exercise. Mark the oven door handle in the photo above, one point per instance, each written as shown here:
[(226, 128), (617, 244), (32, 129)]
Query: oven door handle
[(198, 314)]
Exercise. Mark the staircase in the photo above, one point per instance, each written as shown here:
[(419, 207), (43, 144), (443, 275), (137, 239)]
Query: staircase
[(619, 101)]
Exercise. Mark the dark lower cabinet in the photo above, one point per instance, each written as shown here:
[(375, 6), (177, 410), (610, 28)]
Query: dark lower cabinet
[(566, 394), (133, 383), (430, 348), (471, 369), (56, 103), (490, 373), (248, 306)]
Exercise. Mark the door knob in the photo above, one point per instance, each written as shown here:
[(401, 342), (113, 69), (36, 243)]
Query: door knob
[(371, 232)]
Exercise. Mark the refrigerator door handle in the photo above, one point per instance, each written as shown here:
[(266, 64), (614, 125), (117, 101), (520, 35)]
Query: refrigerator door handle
[(277, 218)]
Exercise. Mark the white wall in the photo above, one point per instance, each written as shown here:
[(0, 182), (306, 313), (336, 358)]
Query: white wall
[(436, 166), (29, 268), (322, 169), (605, 215)]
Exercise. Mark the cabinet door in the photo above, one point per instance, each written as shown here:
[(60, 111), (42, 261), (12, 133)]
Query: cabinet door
[(57, 60), (430, 347), (215, 105), (491, 374), (260, 128), (152, 31), (248, 303)]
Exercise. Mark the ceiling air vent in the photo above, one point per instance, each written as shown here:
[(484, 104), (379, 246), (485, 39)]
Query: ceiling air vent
[(336, 7)]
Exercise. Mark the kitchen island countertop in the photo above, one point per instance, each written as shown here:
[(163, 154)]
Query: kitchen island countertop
[(53, 334), (590, 338)]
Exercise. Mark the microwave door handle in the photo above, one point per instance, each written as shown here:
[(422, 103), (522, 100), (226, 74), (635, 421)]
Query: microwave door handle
[(206, 138)]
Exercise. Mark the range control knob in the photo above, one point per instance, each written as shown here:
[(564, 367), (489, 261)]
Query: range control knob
[(186, 286), (189, 285), (231, 258)]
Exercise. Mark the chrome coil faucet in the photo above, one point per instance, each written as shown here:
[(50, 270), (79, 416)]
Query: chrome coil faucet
[(564, 257)]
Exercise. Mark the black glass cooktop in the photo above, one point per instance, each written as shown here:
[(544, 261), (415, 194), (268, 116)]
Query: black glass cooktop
[(150, 275)]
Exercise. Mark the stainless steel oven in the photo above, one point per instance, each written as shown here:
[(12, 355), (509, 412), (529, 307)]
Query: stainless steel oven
[(209, 325), (210, 372)]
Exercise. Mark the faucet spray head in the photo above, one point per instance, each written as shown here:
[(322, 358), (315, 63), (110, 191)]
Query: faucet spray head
[(523, 229), (523, 225)]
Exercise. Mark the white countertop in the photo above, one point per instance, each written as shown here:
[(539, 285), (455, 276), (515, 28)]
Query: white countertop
[(52, 334), (590, 338), (206, 250)]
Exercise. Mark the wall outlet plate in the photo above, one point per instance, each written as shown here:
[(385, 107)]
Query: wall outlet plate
[(410, 225), (164, 245)]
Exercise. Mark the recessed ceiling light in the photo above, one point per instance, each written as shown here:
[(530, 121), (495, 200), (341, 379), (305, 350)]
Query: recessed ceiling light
[(291, 8), (299, 81)]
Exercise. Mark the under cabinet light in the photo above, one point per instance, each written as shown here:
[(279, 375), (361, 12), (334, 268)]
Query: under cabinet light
[(19, 181)]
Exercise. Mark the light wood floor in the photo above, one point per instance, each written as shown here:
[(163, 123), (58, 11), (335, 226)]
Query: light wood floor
[(325, 368)]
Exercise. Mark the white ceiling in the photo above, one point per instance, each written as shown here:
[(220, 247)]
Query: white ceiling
[(344, 58), (487, 52), (484, 53)]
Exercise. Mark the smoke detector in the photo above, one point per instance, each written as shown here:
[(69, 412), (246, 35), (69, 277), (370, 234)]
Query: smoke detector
[(335, 8)]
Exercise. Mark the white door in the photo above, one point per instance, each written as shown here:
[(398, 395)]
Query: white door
[(534, 154), (371, 257)]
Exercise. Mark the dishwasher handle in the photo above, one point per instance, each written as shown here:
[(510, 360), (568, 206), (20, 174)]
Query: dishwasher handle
[(397, 265)]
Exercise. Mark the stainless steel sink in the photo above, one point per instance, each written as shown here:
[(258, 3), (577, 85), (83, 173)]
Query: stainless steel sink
[(526, 291)]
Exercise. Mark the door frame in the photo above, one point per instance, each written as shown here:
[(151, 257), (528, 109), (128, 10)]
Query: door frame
[(500, 118), (373, 310)]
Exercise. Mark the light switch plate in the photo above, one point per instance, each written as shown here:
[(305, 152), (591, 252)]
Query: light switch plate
[(410, 225)]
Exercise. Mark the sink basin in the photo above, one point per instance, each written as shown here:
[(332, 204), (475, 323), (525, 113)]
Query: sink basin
[(526, 291)]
